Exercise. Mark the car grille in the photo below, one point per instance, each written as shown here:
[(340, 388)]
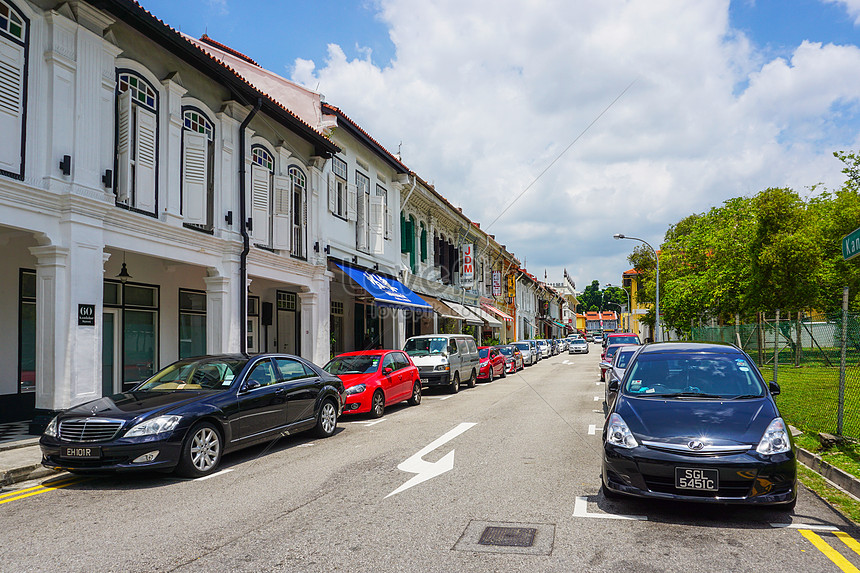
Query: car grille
[(736, 488), (89, 429)]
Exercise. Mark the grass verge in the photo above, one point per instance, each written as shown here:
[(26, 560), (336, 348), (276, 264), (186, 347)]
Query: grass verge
[(844, 503)]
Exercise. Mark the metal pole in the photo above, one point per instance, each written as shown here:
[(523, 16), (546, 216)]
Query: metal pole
[(776, 347), (841, 409), (657, 328)]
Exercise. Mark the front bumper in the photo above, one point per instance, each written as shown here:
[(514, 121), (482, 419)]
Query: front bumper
[(434, 378), (747, 478), (117, 455), (358, 403)]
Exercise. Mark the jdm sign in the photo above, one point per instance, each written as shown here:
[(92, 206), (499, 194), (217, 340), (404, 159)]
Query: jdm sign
[(86, 315), (467, 266), (497, 283), (851, 245)]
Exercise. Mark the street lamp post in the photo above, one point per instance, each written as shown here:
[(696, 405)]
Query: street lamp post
[(629, 304), (658, 331)]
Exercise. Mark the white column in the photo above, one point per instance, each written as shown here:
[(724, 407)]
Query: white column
[(218, 314)]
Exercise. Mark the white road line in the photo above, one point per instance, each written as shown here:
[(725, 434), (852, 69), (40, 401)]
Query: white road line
[(598, 383), (804, 526), (580, 509), (446, 397), (222, 472), (598, 411), (368, 424), (597, 398), (592, 429)]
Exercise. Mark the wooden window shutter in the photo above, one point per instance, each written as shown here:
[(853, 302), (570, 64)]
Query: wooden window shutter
[(123, 148), (332, 193), (377, 224), (144, 159), (11, 105), (281, 214), (259, 204), (195, 177)]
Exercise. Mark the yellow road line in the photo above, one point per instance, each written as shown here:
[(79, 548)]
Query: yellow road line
[(828, 551), (40, 486), (849, 541), (36, 490)]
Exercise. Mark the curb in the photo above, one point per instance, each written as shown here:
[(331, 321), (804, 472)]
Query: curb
[(26, 473), (14, 445), (844, 480)]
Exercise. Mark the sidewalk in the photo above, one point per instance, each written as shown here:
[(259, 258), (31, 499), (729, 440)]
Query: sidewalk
[(20, 461)]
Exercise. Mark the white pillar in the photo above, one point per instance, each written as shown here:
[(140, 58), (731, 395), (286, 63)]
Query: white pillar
[(219, 314)]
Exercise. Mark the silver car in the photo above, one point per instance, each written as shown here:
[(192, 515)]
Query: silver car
[(578, 346), (617, 368), (529, 357)]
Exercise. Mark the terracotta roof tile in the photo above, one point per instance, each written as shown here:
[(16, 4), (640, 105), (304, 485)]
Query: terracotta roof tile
[(228, 49)]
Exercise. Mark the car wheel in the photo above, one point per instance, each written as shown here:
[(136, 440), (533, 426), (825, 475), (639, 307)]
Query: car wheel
[(454, 387), (490, 375), (326, 420), (377, 404), (416, 394), (504, 371), (473, 379), (201, 451)]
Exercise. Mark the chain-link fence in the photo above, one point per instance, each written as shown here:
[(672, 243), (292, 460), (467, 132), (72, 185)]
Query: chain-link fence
[(803, 353)]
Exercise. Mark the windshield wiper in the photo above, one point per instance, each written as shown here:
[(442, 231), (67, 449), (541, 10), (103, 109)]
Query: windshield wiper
[(689, 395), (747, 396)]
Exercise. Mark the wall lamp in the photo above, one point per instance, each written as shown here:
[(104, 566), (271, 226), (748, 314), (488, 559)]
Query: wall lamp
[(66, 165)]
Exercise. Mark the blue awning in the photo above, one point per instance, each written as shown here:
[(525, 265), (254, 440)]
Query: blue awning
[(385, 291)]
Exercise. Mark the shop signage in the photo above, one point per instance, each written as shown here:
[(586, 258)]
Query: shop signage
[(497, 283), (86, 315), (467, 267), (512, 286)]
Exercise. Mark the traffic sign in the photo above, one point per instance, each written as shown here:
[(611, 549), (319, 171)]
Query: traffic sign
[(851, 244)]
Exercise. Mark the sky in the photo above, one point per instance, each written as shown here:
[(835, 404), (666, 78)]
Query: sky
[(558, 123)]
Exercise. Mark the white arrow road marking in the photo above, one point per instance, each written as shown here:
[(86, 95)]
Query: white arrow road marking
[(580, 509), (426, 470), (591, 429), (804, 526)]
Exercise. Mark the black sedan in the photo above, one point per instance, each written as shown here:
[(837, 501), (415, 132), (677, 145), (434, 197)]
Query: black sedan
[(189, 414), (696, 422)]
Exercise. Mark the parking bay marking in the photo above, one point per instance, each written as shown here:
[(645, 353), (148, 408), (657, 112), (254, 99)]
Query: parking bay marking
[(829, 552), (580, 509), (425, 470), (592, 429), (36, 490)]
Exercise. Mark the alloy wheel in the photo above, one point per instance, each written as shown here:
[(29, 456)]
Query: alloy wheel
[(205, 449)]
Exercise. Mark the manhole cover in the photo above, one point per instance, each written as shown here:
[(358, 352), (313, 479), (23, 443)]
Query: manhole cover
[(508, 536)]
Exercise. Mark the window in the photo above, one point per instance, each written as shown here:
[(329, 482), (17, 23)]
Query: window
[(136, 147), (336, 323), (362, 226), (13, 65), (253, 331), (286, 301), (27, 331), (289, 369), (263, 373), (139, 331), (383, 192), (197, 168), (388, 362), (192, 323), (378, 221), (337, 188), (423, 243), (258, 200), (298, 184)]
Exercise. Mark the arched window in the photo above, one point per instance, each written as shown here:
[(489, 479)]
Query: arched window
[(137, 136), (197, 167), (298, 184), (14, 40), (261, 156)]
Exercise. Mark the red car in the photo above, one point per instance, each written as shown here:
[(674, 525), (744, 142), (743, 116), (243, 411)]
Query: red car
[(374, 379), (492, 363), (619, 338)]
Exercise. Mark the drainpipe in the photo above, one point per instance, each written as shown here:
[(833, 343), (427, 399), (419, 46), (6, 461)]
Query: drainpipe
[(246, 239)]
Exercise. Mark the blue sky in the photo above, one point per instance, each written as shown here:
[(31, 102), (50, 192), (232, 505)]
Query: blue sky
[(730, 98)]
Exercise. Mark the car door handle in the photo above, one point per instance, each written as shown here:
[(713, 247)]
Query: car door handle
[(281, 392)]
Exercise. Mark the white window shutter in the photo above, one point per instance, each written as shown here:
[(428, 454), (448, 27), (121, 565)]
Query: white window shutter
[(332, 193), (123, 148), (389, 221), (303, 232), (144, 160), (361, 222), (259, 204), (377, 223), (11, 105), (195, 177), (281, 214), (351, 203)]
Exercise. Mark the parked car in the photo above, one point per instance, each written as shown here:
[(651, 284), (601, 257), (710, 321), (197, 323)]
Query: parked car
[(492, 363), (513, 358), (589, 337), (535, 349), (375, 379), (578, 346), (189, 414), (597, 338), (444, 359), (621, 338), (544, 348), (696, 422), (616, 369), (606, 361), (525, 349)]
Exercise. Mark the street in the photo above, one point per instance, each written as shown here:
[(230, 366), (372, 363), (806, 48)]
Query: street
[(526, 456)]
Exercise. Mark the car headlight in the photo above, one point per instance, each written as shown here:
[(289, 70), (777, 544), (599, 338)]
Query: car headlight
[(775, 439), (51, 429), (357, 389), (154, 426), (442, 367), (618, 434)]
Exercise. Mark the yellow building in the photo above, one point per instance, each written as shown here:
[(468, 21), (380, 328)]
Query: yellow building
[(632, 282)]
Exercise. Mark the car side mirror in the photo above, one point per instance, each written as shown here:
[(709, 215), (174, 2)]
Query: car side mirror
[(250, 385), (387, 370), (613, 385), (774, 388)]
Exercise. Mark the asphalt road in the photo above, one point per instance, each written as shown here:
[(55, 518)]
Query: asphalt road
[(526, 457)]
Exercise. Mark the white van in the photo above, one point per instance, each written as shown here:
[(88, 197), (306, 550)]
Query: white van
[(444, 359)]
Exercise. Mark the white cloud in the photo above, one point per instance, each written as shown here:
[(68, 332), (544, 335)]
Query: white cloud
[(851, 6), (485, 94)]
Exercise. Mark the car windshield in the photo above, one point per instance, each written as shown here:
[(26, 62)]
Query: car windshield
[(624, 358), (610, 352), (352, 365), (506, 350), (626, 339), (426, 346), (580, 342), (205, 374), (483, 352), (688, 375), (522, 346)]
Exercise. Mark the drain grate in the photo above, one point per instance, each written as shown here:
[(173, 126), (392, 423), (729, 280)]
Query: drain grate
[(508, 536)]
